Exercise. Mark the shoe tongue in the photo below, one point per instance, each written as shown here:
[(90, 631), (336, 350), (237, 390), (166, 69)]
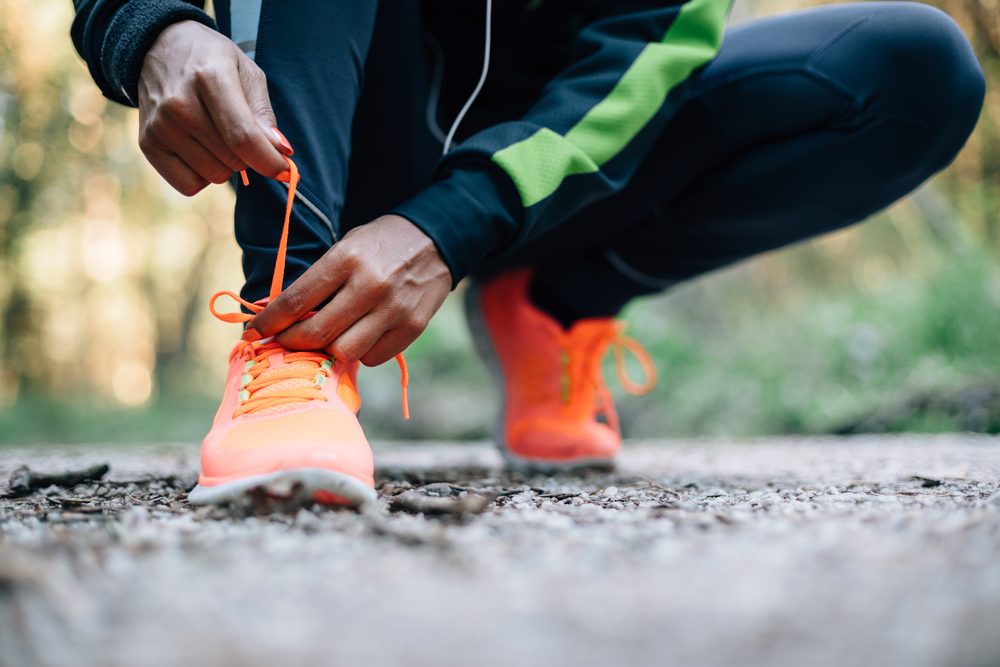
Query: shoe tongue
[(587, 332), (589, 340)]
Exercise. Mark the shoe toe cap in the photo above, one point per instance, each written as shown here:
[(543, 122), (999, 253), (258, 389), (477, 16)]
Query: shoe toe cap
[(324, 438)]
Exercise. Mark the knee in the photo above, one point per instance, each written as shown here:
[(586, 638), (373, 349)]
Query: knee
[(930, 73)]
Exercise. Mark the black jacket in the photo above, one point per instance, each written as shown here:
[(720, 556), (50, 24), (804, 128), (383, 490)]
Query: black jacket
[(589, 126)]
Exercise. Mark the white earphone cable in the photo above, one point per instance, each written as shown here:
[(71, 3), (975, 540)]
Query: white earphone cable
[(482, 79)]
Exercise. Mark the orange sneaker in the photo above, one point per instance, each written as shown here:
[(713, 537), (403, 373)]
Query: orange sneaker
[(557, 412), (287, 418)]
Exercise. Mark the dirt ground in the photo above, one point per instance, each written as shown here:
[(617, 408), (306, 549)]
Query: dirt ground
[(860, 551)]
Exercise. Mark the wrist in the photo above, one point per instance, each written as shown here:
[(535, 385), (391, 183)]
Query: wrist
[(132, 32), (471, 213), (170, 39), (172, 32), (406, 230)]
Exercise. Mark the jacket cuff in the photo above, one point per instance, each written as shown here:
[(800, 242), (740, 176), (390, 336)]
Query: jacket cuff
[(471, 212), (132, 30)]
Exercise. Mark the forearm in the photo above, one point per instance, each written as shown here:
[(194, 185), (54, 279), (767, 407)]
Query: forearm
[(113, 36)]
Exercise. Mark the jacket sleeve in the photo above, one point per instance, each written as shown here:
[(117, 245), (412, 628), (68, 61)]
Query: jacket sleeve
[(113, 36), (581, 141)]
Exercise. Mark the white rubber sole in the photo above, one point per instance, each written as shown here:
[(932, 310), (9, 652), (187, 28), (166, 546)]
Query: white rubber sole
[(280, 483), (484, 347)]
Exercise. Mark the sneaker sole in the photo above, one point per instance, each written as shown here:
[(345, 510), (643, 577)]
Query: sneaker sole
[(314, 481), (484, 348)]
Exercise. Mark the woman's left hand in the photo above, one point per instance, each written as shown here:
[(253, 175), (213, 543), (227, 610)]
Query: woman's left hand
[(384, 281)]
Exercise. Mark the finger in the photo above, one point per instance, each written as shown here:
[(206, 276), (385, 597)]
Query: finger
[(224, 98), (336, 317), (255, 86), (319, 281), (173, 169), (185, 121), (358, 339), (203, 130), (392, 342), (198, 158)]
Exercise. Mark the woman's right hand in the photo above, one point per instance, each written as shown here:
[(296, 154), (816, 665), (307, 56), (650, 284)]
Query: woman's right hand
[(204, 111)]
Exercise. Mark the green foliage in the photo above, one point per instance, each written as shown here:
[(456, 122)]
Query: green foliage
[(169, 419), (832, 361)]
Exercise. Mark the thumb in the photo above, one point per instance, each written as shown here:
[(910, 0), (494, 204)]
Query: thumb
[(255, 88)]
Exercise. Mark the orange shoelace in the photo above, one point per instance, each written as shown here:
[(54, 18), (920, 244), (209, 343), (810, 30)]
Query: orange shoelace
[(306, 372), (583, 376), (620, 344)]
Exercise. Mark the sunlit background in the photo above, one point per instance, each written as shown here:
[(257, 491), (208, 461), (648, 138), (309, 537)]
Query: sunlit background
[(105, 272)]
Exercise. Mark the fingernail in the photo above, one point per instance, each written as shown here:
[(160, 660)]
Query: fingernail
[(284, 176), (281, 140), (250, 335)]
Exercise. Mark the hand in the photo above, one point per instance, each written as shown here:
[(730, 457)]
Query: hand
[(204, 111), (386, 281)]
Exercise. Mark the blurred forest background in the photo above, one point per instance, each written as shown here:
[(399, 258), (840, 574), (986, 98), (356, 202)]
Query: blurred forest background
[(105, 272)]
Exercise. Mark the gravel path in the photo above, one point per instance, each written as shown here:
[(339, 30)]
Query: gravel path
[(865, 551)]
